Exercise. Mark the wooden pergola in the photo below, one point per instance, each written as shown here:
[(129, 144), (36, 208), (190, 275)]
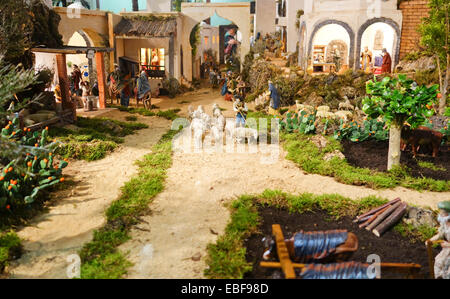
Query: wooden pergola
[(61, 53)]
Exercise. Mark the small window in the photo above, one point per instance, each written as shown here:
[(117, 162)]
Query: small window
[(152, 59)]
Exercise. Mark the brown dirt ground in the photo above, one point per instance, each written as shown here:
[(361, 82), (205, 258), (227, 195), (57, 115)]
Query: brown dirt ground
[(391, 247), (374, 155)]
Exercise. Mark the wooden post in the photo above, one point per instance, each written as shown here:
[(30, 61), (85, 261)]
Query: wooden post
[(64, 85), (101, 79), (283, 253), (112, 42)]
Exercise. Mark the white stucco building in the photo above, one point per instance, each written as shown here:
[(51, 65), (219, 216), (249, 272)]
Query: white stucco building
[(355, 23)]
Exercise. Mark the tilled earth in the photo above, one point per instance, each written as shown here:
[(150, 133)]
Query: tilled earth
[(374, 155), (391, 247)]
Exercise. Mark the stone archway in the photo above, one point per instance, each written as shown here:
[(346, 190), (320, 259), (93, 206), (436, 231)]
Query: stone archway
[(194, 13), (346, 27), (390, 22), (343, 49)]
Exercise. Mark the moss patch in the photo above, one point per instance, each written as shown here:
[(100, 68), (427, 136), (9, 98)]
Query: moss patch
[(94, 139), (10, 247)]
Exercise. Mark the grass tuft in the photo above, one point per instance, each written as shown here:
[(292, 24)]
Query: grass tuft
[(95, 138), (10, 247)]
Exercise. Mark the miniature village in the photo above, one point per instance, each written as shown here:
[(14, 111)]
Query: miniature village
[(267, 139)]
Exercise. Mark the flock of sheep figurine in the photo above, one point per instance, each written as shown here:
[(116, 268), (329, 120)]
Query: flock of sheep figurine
[(344, 112), (218, 126)]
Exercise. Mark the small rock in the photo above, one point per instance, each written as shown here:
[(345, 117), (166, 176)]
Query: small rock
[(196, 257), (336, 153), (319, 141), (418, 217)]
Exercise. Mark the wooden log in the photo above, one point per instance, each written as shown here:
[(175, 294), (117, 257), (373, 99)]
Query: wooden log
[(391, 220), (383, 216), (373, 211), (372, 218), (363, 219)]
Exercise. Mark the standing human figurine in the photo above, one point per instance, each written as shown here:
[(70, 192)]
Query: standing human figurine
[(241, 109), (336, 58), (366, 59), (274, 99), (386, 66), (442, 260), (76, 79), (144, 92)]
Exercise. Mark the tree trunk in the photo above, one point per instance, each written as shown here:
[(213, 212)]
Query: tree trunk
[(394, 145), (391, 220), (444, 88), (135, 5), (383, 216)]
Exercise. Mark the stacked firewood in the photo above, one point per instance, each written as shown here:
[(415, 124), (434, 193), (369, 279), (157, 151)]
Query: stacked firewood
[(381, 219)]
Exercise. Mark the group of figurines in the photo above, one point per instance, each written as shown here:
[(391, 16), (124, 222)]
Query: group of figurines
[(366, 62), (123, 86), (367, 58)]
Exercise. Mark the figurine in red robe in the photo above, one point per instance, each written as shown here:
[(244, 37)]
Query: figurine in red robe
[(386, 66)]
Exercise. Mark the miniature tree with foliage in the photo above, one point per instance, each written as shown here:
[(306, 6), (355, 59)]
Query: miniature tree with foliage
[(399, 101), (435, 32)]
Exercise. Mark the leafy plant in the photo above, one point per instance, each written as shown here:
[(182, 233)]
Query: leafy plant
[(33, 170), (355, 132), (398, 100), (300, 123)]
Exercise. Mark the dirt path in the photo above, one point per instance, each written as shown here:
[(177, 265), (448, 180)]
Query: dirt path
[(75, 213), (189, 214)]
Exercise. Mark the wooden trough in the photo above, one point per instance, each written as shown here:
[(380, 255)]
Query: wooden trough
[(287, 266)]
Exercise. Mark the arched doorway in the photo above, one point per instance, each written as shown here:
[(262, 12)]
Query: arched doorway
[(324, 37), (208, 40), (86, 65), (376, 34)]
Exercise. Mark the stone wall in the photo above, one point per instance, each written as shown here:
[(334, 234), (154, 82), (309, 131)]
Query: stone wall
[(413, 12)]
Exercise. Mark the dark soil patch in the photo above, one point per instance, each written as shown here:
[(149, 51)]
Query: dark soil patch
[(374, 155), (391, 247)]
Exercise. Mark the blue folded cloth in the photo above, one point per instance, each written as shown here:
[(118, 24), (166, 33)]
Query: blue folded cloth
[(310, 246), (349, 270)]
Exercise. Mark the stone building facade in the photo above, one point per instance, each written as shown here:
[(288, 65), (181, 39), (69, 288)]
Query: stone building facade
[(413, 12)]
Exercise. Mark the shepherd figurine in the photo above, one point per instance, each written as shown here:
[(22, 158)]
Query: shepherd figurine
[(442, 260)]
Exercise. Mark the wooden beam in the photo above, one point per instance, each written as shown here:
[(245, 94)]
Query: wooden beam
[(112, 42), (283, 253), (64, 85), (101, 79)]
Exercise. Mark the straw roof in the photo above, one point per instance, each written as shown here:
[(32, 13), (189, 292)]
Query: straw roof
[(142, 27)]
